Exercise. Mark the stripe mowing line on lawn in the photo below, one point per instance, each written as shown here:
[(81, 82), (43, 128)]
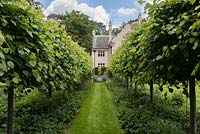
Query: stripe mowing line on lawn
[(98, 114)]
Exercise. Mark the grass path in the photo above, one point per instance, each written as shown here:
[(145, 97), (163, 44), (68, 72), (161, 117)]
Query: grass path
[(97, 114)]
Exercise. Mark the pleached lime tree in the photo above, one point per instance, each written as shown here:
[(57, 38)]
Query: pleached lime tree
[(129, 60), (123, 62), (167, 51), (37, 54), (173, 43)]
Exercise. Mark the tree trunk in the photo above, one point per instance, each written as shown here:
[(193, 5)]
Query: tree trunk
[(151, 90), (10, 110), (131, 84), (135, 88), (127, 84), (50, 92), (193, 128)]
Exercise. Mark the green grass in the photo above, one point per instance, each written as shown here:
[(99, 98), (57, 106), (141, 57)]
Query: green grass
[(97, 114), (177, 91), (198, 96)]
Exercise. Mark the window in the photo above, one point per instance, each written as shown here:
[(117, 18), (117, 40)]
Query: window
[(101, 53), (101, 64)]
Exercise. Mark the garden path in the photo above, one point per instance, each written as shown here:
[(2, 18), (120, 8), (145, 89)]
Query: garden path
[(98, 114)]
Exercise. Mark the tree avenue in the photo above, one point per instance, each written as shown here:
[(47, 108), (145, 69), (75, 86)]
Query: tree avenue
[(37, 54), (165, 49)]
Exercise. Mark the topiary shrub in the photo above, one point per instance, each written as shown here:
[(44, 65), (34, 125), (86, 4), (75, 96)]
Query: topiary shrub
[(99, 71)]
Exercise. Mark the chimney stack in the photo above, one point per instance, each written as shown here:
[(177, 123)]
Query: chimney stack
[(110, 31), (139, 19), (93, 32)]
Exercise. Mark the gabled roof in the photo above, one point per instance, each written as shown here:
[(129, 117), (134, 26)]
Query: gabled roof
[(101, 41)]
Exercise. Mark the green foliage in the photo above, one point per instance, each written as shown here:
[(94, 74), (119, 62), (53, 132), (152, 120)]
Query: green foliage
[(99, 71), (79, 27), (116, 31), (3, 116), (172, 41), (127, 60), (159, 49), (138, 115), (38, 53), (140, 121), (165, 49), (177, 99), (37, 113), (104, 69)]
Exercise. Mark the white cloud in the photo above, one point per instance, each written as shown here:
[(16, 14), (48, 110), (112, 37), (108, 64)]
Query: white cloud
[(127, 11), (116, 26), (98, 13), (149, 1)]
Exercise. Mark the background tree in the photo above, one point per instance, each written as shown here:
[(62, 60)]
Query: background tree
[(80, 27), (116, 31), (101, 29)]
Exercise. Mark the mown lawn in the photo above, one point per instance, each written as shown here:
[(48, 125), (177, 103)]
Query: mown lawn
[(98, 114), (177, 91), (198, 96)]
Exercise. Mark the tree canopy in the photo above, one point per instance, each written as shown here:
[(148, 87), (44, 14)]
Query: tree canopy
[(165, 49), (37, 53), (80, 27)]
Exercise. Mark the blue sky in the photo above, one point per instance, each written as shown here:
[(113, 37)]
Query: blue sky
[(118, 11)]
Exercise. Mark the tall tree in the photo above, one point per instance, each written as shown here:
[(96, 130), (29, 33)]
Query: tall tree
[(168, 49), (80, 27), (173, 44), (35, 53)]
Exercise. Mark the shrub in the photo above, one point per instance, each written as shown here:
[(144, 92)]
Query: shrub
[(103, 69), (37, 113), (99, 71), (177, 99), (139, 116), (141, 121)]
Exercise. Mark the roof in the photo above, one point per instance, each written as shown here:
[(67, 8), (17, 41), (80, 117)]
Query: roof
[(101, 41)]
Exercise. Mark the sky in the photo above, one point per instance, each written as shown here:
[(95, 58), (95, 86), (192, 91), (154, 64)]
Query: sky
[(118, 11)]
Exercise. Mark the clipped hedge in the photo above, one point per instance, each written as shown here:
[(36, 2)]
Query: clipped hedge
[(37, 54)]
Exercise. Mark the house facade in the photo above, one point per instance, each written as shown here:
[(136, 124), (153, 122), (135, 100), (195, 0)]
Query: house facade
[(101, 49), (105, 45)]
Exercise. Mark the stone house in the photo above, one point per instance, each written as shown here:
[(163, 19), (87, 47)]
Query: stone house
[(105, 45)]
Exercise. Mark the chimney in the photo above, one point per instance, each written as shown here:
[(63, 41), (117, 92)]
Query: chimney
[(93, 33), (110, 31), (139, 19)]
